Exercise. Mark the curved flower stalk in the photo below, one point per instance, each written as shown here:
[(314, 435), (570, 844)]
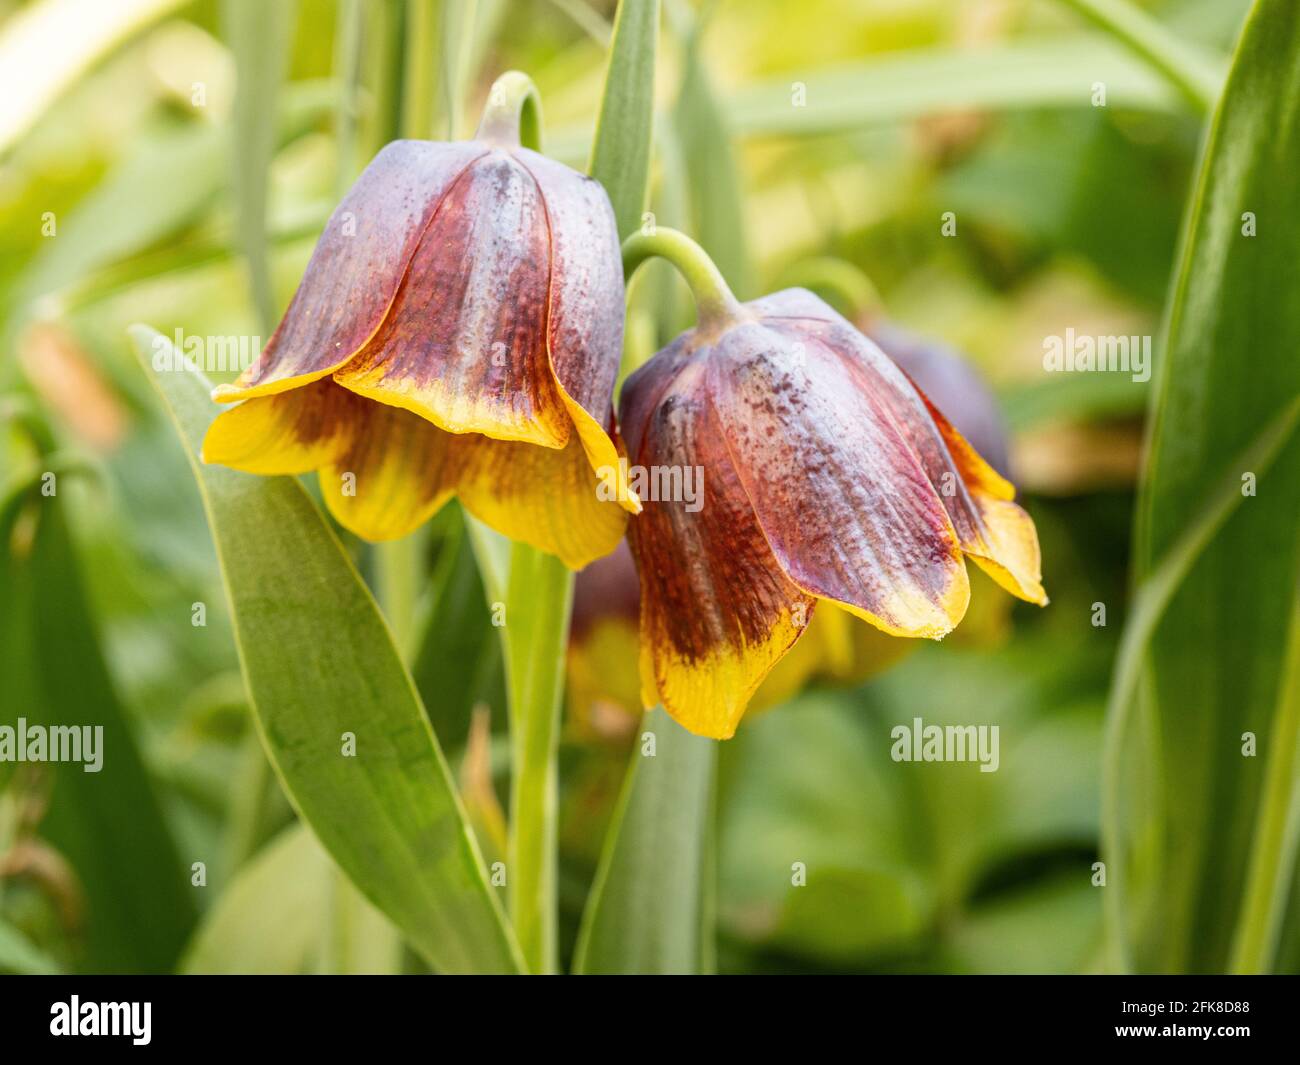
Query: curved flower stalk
[(827, 475), (457, 331)]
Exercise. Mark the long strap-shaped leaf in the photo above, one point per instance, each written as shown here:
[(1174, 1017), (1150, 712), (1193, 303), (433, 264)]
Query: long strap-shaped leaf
[(1187, 802), (322, 670), (713, 175), (649, 911), (1028, 74), (260, 35), (620, 153), (1180, 63)]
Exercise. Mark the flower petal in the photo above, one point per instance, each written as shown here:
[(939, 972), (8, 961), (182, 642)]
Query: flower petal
[(584, 335), (357, 266), (717, 612), (792, 303), (287, 433), (838, 490), (990, 527), (646, 386), (464, 344), (546, 497), (838, 649), (952, 384), (392, 478), (1008, 548)]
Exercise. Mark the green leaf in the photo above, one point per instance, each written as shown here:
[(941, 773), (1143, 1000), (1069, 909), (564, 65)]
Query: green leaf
[(19, 955), (421, 64), (319, 662), (1033, 74), (349, 36), (900, 859), (704, 138), (844, 915), (108, 824), (269, 919), (620, 153), (260, 34), (1268, 903), (538, 601), (1182, 65), (587, 18), (174, 173), (1186, 807), (444, 46), (47, 46), (1032, 929), (466, 34), (287, 911), (161, 185), (898, 86), (361, 940), (382, 74), (647, 910)]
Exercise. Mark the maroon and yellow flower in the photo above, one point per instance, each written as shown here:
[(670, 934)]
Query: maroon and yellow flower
[(457, 331), (828, 476)]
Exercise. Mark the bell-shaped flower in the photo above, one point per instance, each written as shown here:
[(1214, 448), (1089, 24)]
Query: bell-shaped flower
[(457, 332), (835, 649), (827, 475)]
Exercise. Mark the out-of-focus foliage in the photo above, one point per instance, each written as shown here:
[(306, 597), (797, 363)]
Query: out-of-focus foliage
[(93, 844)]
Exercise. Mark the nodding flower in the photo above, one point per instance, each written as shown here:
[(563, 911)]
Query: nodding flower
[(829, 477), (457, 331)]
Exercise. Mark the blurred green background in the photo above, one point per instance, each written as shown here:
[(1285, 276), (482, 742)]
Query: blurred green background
[(1068, 216)]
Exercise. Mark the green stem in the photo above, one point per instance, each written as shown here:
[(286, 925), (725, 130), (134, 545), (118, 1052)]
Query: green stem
[(1182, 66), (420, 88), (513, 114), (538, 603), (1273, 850), (383, 64), (461, 27), (715, 304), (348, 68)]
